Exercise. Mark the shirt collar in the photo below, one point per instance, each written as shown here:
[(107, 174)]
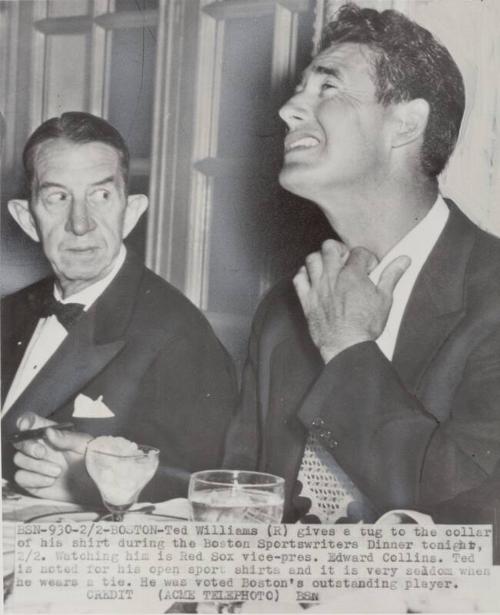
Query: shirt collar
[(418, 243), (88, 295)]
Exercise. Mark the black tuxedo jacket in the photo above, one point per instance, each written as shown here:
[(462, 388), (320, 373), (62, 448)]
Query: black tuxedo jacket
[(151, 355), (420, 432)]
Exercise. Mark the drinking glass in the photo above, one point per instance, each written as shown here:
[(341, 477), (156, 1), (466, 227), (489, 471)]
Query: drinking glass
[(234, 496), (120, 476)]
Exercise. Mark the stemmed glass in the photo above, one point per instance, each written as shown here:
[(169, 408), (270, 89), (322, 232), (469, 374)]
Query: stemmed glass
[(120, 469)]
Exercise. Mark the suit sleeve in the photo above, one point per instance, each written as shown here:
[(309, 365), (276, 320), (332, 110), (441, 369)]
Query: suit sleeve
[(244, 442), (393, 448), (185, 403), (243, 439)]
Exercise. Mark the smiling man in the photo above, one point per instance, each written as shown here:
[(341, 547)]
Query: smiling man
[(373, 380), (104, 343)]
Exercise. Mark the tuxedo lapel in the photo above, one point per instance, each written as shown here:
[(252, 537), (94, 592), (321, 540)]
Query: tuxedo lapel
[(96, 338), (436, 304), (70, 368), (19, 321)]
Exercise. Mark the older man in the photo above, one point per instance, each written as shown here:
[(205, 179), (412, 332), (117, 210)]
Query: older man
[(373, 381), (105, 343)]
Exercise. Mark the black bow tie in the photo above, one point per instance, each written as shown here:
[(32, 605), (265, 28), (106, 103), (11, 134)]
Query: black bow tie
[(66, 313)]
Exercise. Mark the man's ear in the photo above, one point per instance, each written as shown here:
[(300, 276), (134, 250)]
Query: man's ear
[(136, 206), (20, 210), (410, 121)]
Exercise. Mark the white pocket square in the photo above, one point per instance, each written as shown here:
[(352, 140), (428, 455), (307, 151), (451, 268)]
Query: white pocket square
[(87, 408)]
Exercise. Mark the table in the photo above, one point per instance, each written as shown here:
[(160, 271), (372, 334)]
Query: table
[(17, 508)]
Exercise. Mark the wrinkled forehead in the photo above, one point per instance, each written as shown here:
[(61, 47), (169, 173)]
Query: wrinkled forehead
[(349, 62), (63, 159)]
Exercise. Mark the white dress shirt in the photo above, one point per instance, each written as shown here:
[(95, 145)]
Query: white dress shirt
[(49, 334), (417, 244)]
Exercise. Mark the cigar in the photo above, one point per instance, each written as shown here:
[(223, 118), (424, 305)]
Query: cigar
[(33, 434)]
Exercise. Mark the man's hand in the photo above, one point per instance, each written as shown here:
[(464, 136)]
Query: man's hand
[(342, 305), (53, 466)]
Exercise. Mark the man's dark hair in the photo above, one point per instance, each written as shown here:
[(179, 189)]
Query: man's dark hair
[(409, 63), (77, 127)]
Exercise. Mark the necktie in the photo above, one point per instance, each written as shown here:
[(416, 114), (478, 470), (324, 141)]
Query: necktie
[(66, 313)]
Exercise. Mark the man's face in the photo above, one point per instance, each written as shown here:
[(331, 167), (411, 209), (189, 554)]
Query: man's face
[(78, 206), (337, 137)]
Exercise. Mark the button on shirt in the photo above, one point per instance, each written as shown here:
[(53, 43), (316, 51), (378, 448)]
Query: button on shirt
[(332, 494), (49, 334)]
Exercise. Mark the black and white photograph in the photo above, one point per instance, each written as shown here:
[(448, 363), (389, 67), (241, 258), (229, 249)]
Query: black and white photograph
[(250, 306)]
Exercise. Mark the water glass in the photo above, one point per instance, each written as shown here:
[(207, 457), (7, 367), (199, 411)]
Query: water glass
[(236, 496)]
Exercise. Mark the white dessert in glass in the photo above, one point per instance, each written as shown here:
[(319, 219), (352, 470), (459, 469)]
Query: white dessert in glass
[(120, 469)]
